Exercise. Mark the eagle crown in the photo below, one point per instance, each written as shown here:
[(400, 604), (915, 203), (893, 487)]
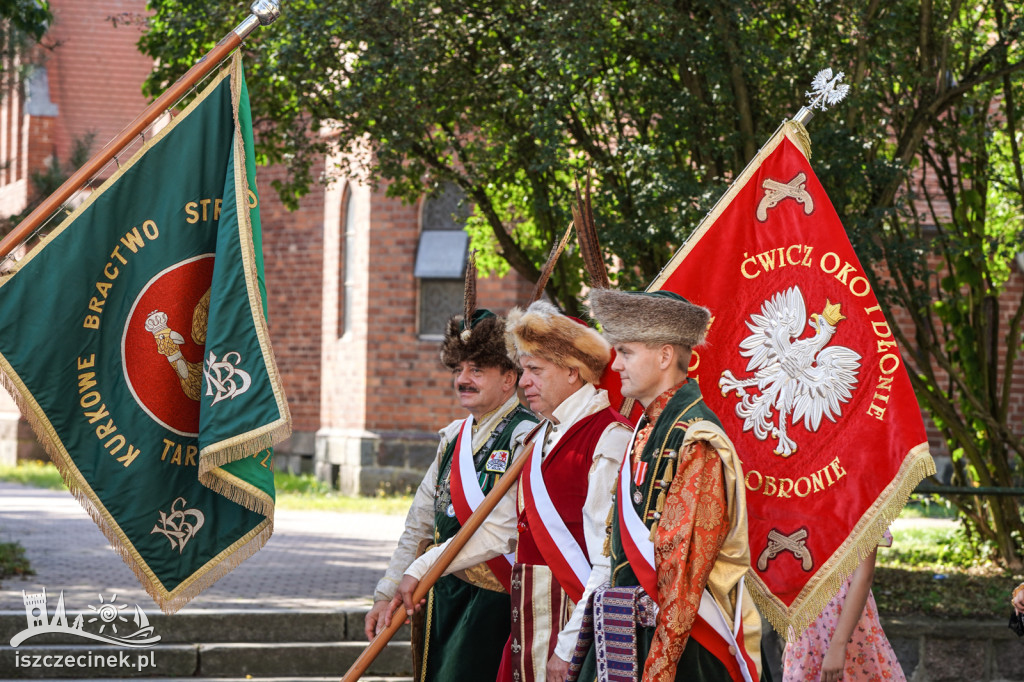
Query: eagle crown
[(831, 313)]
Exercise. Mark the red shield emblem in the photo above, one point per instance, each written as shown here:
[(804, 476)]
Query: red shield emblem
[(163, 343)]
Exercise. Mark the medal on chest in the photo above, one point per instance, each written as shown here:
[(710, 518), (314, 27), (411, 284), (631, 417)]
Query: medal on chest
[(640, 474)]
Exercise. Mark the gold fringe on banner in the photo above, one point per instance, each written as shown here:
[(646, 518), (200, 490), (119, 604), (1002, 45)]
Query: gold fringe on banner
[(210, 458), (864, 538), (168, 601)]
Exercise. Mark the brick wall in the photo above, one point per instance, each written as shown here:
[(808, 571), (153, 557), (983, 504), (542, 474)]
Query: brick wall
[(385, 392), (293, 258), (408, 378), (95, 71), (42, 141)]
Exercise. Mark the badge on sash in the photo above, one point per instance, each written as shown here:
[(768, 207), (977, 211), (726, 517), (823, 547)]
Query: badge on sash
[(450, 511), (497, 462)]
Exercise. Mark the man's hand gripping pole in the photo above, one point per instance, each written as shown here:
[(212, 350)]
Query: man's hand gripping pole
[(398, 617)]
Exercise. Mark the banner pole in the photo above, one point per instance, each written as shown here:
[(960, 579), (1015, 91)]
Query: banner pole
[(435, 572), (263, 13)]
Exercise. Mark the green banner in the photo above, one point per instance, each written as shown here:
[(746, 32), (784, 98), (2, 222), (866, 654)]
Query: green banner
[(134, 339)]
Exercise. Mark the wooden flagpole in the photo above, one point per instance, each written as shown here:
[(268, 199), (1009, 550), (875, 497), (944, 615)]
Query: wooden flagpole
[(488, 504), (263, 12), (435, 572)]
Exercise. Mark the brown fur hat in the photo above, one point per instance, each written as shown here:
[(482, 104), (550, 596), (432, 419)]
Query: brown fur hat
[(542, 331), (654, 317), (483, 343)]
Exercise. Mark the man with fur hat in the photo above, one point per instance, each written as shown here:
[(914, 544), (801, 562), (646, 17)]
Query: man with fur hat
[(467, 620), (556, 520), (678, 531)]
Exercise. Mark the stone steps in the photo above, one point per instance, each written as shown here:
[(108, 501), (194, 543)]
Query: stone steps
[(215, 645)]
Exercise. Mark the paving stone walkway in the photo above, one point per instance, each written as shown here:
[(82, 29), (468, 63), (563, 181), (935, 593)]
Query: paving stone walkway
[(314, 560)]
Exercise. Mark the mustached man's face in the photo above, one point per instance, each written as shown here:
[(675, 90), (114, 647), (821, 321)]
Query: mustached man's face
[(482, 389)]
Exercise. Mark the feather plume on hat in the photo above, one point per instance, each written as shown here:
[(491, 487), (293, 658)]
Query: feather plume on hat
[(590, 246), (478, 335)]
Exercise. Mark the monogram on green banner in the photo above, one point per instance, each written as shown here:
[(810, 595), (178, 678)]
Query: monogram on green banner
[(134, 339)]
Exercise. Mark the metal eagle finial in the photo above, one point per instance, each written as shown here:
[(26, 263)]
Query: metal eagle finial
[(826, 91)]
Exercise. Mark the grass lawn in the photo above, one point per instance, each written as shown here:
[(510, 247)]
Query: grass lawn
[(929, 570), (293, 492)]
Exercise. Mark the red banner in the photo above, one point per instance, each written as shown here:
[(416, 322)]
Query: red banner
[(803, 370)]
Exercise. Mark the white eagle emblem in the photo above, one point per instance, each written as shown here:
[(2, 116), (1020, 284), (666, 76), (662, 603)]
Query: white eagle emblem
[(800, 377)]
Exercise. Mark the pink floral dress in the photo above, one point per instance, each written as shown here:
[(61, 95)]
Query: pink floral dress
[(869, 656)]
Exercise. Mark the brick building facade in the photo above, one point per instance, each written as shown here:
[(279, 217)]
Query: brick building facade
[(359, 363), (357, 287)]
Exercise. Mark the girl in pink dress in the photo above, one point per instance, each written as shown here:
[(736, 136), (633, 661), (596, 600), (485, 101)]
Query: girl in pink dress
[(846, 641)]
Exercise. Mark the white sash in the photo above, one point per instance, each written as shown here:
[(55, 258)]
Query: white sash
[(639, 533), (554, 527), (467, 473), (713, 616)]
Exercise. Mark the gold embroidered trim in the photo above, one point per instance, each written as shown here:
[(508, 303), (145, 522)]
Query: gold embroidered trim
[(863, 539), (221, 482)]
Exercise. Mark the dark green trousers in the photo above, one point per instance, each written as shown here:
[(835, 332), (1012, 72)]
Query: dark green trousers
[(467, 628)]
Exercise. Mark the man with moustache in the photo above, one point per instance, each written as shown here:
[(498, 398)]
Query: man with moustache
[(467, 619), (678, 531), (556, 520)]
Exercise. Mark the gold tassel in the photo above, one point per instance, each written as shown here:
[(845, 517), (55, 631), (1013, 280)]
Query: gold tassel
[(607, 551), (659, 506)]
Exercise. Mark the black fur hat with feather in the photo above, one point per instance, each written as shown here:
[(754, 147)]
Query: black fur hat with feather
[(476, 336)]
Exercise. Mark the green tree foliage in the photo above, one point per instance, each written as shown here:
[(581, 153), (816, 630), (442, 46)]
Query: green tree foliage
[(665, 102), (30, 17), (22, 23), (47, 180)]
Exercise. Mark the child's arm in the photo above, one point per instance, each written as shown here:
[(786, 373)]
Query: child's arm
[(1018, 599), (853, 607)]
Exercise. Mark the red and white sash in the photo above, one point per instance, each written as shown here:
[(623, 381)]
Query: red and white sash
[(467, 494), (710, 626), (565, 557)]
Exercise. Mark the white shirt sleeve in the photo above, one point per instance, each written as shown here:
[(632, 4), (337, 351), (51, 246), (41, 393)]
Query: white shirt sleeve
[(419, 526), (604, 471), (497, 535)]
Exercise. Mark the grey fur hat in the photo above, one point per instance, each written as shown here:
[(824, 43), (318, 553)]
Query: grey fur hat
[(651, 317)]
